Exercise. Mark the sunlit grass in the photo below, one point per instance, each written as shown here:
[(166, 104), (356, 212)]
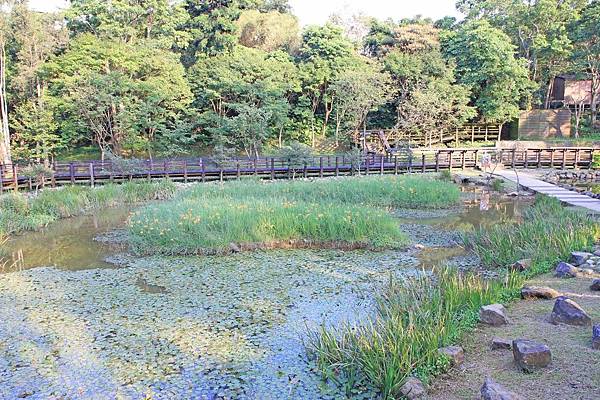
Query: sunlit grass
[(349, 212)]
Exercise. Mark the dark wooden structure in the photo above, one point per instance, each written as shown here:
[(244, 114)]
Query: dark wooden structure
[(204, 169)]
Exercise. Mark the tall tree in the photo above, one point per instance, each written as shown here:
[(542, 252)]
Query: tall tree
[(586, 36), (485, 62)]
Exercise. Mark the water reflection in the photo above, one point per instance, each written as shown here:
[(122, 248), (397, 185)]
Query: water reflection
[(67, 244)]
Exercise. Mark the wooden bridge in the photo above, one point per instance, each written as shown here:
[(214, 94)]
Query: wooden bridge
[(12, 177)]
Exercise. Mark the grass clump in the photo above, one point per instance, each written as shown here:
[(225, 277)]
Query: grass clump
[(20, 212), (339, 213), (414, 319), (548, 233)]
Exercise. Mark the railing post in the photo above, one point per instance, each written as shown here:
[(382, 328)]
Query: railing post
[(72, 172), (337, 166), (185, 171), (396, 164), (591, 159), (564, 158), (463, 159), (451, 160), (381, 165), (15, 171), (551, 158), (305, 170), (92, 183), (514, 154), (255, 166), (526, 158), (423, 163), (539, 160), (238, 172), (53, 177), (577, 158), (272, 169), (437, 161), (367, 165), (321, 166), (202, 170)]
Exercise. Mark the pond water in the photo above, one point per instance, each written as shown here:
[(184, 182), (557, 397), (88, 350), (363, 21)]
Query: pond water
[(195, 327), (68, 243)]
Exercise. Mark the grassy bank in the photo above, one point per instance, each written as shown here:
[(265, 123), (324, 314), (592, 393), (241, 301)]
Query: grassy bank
[(349, 212), (414, 319), (20, 212)]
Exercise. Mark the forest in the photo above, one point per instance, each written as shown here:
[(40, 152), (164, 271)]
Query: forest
[(158, 78)]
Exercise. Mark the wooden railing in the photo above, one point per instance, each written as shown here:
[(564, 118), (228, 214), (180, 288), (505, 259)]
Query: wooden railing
[(205, 169)]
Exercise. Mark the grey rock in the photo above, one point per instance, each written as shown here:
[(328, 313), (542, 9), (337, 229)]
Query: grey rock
[(501, 344), (579, 257), (539, 292), (494, 314), (566, 270), (455, 354), (522, 265), (596, 337), (566, 311), (595, 286), (597, 253), (413, 389), (234, 248), (492, 390), (530, 355)]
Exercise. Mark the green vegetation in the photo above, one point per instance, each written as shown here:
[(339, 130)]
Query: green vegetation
[(547, 233), (415, 318), (19, 212), (350, 212)]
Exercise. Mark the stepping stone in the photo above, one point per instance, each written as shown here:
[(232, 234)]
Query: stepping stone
[(492, 390), (522, 265), (566, 311), (494, 314), (596, 337), (539, 292), (530, 355), (501, 344), (595, 285), (579, 257), (455, 354), (413, 389), (566, 270)]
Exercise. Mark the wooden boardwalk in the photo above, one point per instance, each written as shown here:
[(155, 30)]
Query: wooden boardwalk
[(530, 182)]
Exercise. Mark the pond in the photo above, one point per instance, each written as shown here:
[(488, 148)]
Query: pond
[(219, 327)]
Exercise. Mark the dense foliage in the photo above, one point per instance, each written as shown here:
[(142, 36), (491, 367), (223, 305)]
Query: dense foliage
[(167, 77)]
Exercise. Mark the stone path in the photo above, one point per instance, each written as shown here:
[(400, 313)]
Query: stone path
[(566, 196)]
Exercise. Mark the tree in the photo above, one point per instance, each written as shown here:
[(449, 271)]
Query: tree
[(244, 95), (539, 29), (485, 62), (128, 20), (5, 153), (125, 94), (586, 37), (359, 90), (269, 31)]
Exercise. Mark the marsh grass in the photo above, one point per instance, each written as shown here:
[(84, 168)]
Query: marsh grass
[(413, 319), (548, 233), (352, 212), (20, 212)]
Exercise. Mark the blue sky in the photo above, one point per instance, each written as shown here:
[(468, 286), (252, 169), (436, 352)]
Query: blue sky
[(317, 11)]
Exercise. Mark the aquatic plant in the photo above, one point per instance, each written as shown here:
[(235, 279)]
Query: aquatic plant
[(413, 319), (20, 212), (348, 212), (547, 233)]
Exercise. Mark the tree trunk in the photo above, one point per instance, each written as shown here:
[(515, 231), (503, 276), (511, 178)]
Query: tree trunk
[(5, 156)]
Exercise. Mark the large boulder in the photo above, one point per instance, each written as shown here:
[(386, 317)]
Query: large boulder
[(566, 311), (491, 390), (413, 389), (596, 337), (494, 314), (566, 270), (501, 344), (579, 257), (595, 285), (455, 354), (530, 355), (538, 292)]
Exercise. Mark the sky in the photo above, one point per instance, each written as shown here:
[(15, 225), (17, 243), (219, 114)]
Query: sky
[(318, 11)]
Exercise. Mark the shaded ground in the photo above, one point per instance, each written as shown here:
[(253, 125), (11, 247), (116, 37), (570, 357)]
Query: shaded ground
[(575, 370)]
